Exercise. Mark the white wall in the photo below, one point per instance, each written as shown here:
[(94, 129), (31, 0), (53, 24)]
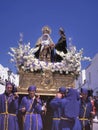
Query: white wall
[(81, 80), (92, 74), (14, 78), (89, 77)]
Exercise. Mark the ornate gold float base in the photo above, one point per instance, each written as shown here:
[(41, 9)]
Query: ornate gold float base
[(47, 82)]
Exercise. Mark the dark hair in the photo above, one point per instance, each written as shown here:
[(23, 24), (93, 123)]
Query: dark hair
[(14, 89)]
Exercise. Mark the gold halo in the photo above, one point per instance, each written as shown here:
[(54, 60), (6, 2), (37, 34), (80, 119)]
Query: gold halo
[(46, 28)]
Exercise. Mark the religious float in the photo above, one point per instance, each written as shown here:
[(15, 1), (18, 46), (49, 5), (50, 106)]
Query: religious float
[(45, 74)]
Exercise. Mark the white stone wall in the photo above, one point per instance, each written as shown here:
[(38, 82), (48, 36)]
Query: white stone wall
[(81, 80), (4, 76), (92, 74), (89, 77)]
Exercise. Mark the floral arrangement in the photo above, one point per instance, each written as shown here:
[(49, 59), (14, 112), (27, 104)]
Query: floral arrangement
[(24, 58)]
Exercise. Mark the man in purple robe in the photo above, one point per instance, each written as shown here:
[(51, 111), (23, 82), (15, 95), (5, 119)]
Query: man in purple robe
[(56, 107), (86, 108), (9, 109), (70, 111), (31, 107)]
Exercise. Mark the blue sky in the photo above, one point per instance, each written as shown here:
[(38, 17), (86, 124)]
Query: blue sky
[(79, 18)]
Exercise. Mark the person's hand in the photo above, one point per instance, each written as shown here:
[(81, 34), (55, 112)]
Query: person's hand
[(93, 113), (59, 95), (23, 109), (37, 98), (16, 95), (46, 47), (52, 45)]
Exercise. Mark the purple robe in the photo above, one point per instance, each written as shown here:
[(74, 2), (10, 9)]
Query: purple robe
[(70, 111), (8, 112), (55, 105), (32, 118), (85, 114)]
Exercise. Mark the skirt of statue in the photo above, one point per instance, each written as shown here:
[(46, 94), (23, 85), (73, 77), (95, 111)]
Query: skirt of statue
[(33, 122), (8, 122)]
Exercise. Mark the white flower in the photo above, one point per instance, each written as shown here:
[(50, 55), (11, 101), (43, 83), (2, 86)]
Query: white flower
[(24, 57)]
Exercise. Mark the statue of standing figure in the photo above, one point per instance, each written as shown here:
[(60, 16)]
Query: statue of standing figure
[(46, 46), (61, 45)]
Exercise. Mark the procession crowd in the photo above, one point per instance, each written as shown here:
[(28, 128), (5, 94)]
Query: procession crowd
[(71, 110)]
